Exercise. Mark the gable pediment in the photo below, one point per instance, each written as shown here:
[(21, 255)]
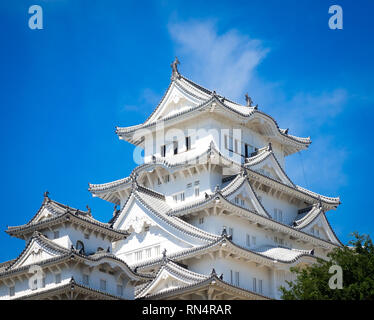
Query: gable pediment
[(246, 193), (35, 253), (271, 168), (320, 228), (176, 100)]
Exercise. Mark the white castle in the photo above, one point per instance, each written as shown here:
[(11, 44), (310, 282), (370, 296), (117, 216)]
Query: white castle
[(210, 214)]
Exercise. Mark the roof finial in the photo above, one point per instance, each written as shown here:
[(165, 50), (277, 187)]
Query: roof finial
[(174, 67), (248, 100), (213, 272), (88, 210), (224, 232), (46, 194), (270, 148), (164, 254)]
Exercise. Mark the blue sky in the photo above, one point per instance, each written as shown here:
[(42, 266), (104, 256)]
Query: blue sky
[(99, 64)]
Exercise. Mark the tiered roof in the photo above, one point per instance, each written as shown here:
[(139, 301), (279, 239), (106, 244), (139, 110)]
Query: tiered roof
[(109, 191), (203, 99)]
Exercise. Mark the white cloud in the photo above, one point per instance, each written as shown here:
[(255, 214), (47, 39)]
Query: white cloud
[(222, 62)]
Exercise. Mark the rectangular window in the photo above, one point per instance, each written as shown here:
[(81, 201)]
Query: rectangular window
[(138, 255), (175, 147), (231, 277), (201, 220), (182, 196), (119, 290), (103, 285), (43, 282), (197, 191), (236, 200), (56, 234), (242, 202), (163, 151), (148, 253), (188, 143), (260, 286), (12, 291), (253, 241), (254, 285), (167, 178), (175, 198), (226, 146), (248, 240), (158, 181), (157, 251), (236, 146), (58, 278), (237, 278), (86, 279)]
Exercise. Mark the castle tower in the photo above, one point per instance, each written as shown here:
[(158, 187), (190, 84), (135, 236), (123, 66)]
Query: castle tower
[(211, 211)]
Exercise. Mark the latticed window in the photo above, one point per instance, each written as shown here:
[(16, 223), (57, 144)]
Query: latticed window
[(86, 279), (237, 278), (197, 191), (138, 255), (157, 251), (248, 240), (12, 291), (119, 290), (103, 285)]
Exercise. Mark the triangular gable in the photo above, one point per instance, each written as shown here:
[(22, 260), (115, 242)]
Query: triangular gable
[(37, 251), (136, 215), (270, 167), (176, 99), (320, 227), (169, 277), (246, 192), (45, 213)]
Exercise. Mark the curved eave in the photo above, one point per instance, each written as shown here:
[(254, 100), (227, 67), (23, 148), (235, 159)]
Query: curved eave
[(304, 194), (297, 143), (70, 287), (224, 244), (257, 218), (111, 191), (21, 231), (212, 281)]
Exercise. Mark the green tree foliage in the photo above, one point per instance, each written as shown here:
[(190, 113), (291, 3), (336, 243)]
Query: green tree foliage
[(357, 263)]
